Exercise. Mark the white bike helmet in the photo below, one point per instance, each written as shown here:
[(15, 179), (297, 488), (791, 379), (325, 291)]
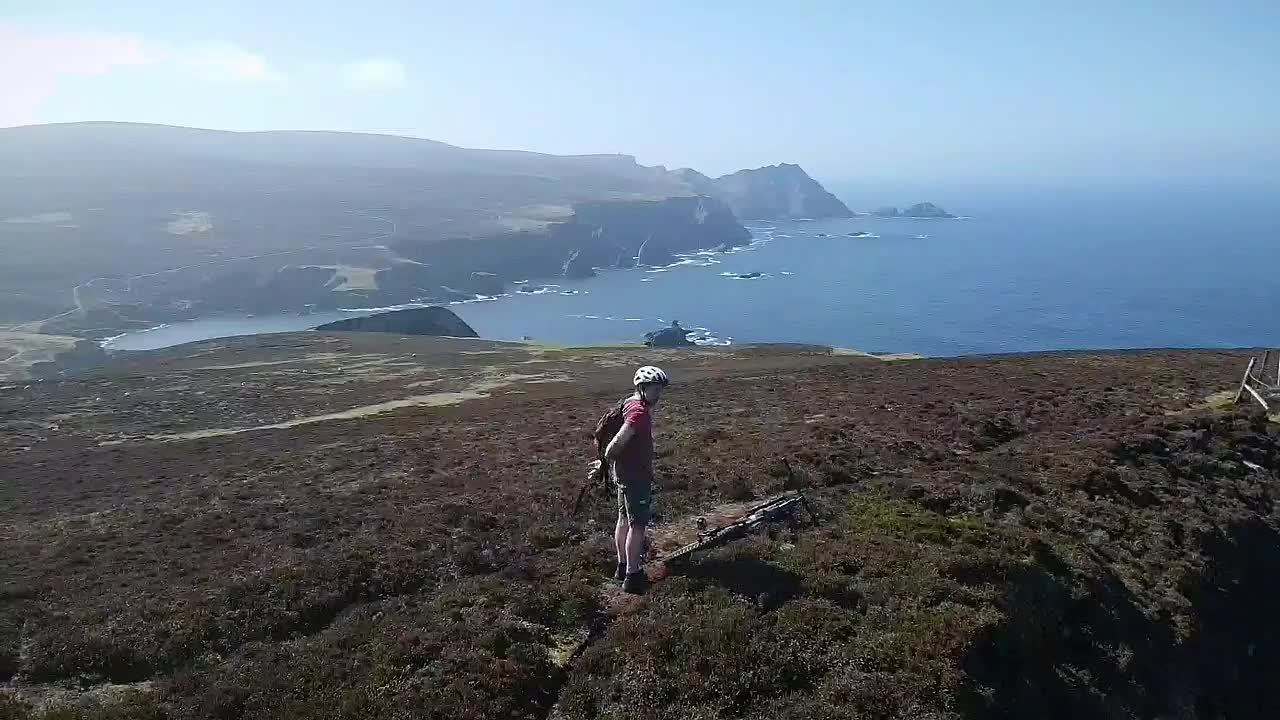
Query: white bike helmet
[(650, 374)]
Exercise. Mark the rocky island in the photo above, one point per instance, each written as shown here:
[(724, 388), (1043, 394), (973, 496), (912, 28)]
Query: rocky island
[(674, 336), (923, 210)]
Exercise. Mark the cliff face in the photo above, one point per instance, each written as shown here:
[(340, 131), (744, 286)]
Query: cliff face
[(774, 192), (611, 234), (415, 321)]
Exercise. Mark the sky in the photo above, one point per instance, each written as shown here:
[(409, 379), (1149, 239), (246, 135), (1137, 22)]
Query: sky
[(868, 91)]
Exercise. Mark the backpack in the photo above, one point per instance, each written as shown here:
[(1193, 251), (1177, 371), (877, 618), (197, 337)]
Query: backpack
[(608, 425)]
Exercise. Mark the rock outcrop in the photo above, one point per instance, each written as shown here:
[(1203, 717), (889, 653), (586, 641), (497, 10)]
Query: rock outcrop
[(919, 210), (414, 321), (774, 192), (674, 336), (926, 210)]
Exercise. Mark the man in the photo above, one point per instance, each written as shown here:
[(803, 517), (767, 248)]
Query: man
[(630, 456)]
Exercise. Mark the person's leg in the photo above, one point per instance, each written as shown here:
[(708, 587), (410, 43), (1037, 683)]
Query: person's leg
[(635, 545), (620, 536), (638, 498)]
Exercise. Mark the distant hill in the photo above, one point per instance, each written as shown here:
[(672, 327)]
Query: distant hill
[(110, 226), (774, 192), (107, 227), (107, 148)]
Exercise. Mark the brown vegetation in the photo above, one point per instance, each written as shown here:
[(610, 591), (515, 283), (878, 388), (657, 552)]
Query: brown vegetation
[(1046, 536)]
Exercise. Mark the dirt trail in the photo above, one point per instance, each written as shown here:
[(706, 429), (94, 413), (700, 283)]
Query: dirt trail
[(475, 391)]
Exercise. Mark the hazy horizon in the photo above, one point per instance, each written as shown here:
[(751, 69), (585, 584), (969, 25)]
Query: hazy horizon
[(918, 95)]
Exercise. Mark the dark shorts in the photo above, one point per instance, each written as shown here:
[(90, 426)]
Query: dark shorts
[(635, 500)]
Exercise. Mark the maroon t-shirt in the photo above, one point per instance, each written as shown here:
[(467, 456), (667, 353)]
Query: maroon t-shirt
[(634, 463)]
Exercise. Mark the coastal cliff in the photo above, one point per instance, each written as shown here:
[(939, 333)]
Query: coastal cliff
[(616, 234), (603, 234), (266, 223)]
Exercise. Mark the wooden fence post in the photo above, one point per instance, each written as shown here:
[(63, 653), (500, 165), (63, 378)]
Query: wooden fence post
[(1244, 383), (1258, 396)]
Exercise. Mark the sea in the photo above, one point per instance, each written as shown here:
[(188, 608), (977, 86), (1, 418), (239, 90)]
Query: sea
[(1144, 265)]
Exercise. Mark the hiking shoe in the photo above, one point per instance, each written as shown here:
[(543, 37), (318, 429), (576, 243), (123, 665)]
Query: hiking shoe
[(634, 583), (621, 572)]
